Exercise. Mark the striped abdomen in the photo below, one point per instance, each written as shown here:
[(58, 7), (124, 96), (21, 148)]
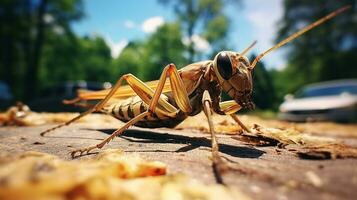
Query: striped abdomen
[(127, 109)]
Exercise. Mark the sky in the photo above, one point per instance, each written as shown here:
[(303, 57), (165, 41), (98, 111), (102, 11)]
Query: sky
[(122, 21)]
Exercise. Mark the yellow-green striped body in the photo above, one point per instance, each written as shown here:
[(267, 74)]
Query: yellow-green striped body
[(127, 109)]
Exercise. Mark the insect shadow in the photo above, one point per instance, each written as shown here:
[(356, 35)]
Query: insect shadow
[(145, 136)]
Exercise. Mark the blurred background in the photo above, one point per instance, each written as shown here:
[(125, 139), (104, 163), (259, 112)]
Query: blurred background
[(50, 48)]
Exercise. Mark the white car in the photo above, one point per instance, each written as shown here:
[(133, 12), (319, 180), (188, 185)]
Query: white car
[(332, 101)]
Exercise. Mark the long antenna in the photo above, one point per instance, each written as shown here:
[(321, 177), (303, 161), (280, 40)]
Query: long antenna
[(300, 32), (248, 48)]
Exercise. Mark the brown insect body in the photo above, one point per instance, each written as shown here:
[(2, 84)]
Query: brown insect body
[(197, 78), (194, 82)]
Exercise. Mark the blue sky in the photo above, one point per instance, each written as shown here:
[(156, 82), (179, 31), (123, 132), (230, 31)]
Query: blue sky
[(121, 21)]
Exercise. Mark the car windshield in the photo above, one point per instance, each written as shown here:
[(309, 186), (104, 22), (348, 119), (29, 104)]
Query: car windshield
[(327, 91)]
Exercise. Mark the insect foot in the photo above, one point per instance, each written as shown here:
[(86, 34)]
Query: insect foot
[(83, 150)]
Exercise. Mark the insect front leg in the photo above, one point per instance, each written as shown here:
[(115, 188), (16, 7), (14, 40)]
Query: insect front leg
[(230, 108), (218, 164), (235, 118)]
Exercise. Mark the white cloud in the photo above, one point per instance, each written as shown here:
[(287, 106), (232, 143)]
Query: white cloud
[(48, 18), (150, 25), (129, 24), (199, 43), (116, 48)]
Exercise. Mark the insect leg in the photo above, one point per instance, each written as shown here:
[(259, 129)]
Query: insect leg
[(97, 107), (142, 90), (231, 107), (177, 86), (112, 136), (179, 92), (218, 164), (235, 117)]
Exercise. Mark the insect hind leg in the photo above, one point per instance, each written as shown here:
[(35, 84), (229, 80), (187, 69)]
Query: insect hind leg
[(111, 137), (153, 99), (140, 88), (97, 107)]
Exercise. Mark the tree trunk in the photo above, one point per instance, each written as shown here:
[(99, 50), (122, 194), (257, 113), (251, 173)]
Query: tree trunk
[(190, 29), (26, 42), (7, 71), (31, 76)]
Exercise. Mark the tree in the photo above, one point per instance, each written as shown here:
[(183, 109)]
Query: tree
[(130, 60), (25, 26), (75, 58), (264, 94), (326, 52), (163, 47), (146, 59), (14, 38), (203, 18)]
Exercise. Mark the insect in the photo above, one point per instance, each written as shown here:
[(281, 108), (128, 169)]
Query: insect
[(190, 90)]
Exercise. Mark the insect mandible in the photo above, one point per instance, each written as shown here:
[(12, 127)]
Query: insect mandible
[(190, 90)]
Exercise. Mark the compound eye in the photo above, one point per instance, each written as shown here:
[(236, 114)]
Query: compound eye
[(224, 65)]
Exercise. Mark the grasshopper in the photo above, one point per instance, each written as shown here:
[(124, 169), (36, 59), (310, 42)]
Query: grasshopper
[(190, 90)]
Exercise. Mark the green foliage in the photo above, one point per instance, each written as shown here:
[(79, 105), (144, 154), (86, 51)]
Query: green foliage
[(264, 94), (217, 29), (146, 59), (74, 58), (53, 54), (325, 53), (25, 27), (205, 18), (129, 61), (164, 47)]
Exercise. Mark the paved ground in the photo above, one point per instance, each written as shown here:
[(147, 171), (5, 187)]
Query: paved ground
[(262, 172)]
